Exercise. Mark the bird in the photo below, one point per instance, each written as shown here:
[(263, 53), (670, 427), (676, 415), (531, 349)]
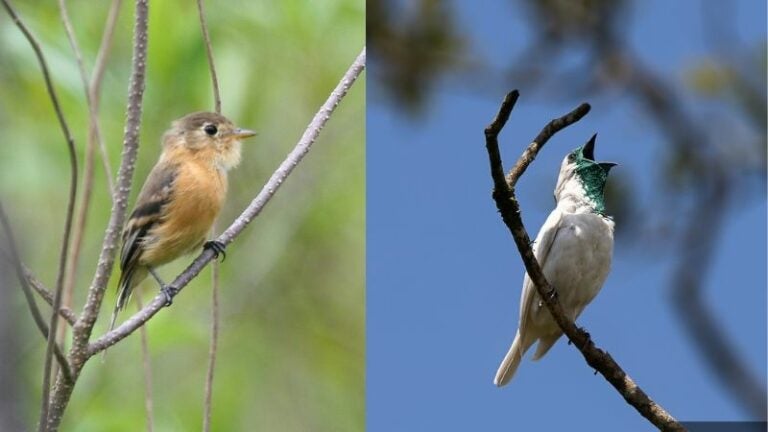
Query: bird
[(180, 199), (574, 248)]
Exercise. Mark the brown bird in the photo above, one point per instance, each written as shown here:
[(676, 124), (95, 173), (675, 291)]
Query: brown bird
[(180, 199)]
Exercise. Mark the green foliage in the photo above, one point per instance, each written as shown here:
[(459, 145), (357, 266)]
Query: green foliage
[(291, 348)]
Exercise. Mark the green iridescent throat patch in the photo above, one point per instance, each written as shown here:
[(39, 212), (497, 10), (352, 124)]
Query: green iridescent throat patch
[(593, 177)]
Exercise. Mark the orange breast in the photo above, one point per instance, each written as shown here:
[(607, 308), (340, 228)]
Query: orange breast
[(197, 197)]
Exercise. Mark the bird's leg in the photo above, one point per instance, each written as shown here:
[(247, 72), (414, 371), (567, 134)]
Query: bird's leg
[(552, 293), (163, 287), (217, 247), (589, 336)]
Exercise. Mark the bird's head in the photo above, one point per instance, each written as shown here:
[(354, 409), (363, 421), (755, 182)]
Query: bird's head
[(209, 134), (582, 180)]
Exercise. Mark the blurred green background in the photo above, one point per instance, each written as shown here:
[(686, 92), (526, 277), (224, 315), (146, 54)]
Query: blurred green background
[(292, 345)]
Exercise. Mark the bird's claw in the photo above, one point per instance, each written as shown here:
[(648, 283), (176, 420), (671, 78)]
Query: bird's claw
[(168, 296), (217, 247), (552, 293)]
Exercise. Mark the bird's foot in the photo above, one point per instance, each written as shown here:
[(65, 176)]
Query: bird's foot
[(217, 247), (589, 336), (168, 295), (552, 293)]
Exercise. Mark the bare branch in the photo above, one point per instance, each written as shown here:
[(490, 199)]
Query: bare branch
[(90, 312), (50, 348), (147, 368), (549, 130), (207, 398), (92, 91), (94, 88), (208, 395), (209, 53), (509, 208), (253, 210), (24, 282), (46, 295), (94, 136), (84, 326)]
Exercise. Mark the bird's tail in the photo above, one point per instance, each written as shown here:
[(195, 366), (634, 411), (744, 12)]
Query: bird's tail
[(129, 278), (511, 361), (124, 290)]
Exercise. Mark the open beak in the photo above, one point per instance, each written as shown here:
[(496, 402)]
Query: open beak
[(589, 148), (243, 133), (589, 153)]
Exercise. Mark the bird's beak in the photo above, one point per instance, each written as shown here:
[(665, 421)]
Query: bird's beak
[(607, 165), (589, 148), (243, 133)]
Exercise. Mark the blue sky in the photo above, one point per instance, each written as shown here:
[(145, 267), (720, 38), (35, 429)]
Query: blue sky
[(444, 277)]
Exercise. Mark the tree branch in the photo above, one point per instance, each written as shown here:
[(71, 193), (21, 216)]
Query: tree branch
[(94, 137), (46, 295), (83, 327), (24, 282), (90, 312), (94, 87), (253, 210), (208, 392), (147, 369), (509, 208), (209, 54), (63, 254)]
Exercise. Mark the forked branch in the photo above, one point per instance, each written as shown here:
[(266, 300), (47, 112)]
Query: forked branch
[(506, 202)]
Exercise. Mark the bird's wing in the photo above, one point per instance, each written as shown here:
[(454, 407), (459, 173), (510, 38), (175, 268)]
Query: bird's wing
[(154, 195), (541, 248)]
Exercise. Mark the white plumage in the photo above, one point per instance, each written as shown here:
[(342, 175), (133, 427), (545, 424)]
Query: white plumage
[(574, 248)]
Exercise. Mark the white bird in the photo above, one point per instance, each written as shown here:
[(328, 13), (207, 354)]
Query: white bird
[(573, 248)]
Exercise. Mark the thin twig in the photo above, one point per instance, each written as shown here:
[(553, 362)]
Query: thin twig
[(94, 88), (94, 135), (207, 401), (63, 255), (83, 328), (41, 290), (147, 368), (207, 398), (253, 210), (24, 282), (209, 53), (92, 93), (90, 312), (46, 295), (509, 208)]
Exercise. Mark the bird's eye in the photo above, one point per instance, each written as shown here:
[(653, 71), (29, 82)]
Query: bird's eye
[(210, 129)]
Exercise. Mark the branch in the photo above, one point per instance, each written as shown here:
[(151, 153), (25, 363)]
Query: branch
[(208, 392), (46, 295), (24, 282), (253, 210), (147, 368), (94, 137), (83, 327), (50, 348), (509, 208), (94, 87), (209, 53)]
